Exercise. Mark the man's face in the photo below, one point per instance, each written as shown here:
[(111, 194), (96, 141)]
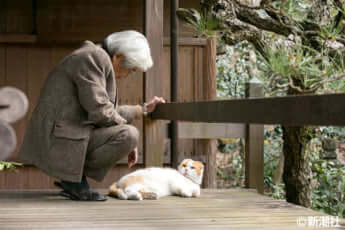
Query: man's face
[(120, 71)]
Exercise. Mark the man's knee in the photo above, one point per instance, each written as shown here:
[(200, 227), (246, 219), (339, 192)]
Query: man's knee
[(131, 136), (119, 141)]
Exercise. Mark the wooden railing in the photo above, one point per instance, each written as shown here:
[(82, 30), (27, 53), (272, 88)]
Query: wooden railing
[(244, 118)]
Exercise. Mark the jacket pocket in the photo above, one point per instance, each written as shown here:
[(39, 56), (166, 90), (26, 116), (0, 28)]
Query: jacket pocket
[(70, 130)]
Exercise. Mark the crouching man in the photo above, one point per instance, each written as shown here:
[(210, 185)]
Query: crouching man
[(77, 129)]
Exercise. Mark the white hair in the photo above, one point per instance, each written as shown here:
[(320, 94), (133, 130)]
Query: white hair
[(133, 46)]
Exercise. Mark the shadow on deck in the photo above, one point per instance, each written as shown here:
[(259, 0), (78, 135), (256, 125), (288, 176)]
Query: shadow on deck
[(215, 209)]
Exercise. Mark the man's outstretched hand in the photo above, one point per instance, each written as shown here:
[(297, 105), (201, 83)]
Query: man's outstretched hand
[(150, 106), (133, 157)]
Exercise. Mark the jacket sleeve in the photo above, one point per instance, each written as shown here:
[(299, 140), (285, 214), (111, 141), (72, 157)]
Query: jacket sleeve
[(130, 112), (90, 78)]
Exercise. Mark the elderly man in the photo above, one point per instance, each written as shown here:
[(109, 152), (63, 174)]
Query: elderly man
[(77, 129)]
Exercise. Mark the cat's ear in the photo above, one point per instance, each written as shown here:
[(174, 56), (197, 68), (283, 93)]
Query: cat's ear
[(184, 162), (181, 164), (199, 164)]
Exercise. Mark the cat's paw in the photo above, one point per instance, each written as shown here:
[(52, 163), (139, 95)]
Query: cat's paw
[(186, 194), (183, 193), (134, 196), (149, 195), (196, 193)]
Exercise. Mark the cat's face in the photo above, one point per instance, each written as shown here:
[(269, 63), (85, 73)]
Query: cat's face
[(193, 170)]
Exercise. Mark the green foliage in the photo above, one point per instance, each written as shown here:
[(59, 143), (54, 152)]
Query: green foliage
[(289, 62), (233, 173), (230, 170), (232, 71), (4, 165), (272, 149), (333, 132), (205, 24), (328, 194), (275, 191)]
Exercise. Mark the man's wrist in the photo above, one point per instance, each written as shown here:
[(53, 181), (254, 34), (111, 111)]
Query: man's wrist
[(144, 109)]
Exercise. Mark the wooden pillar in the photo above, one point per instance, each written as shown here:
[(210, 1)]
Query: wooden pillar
[(254, 147), (3, 17), (153, 130), (174, 79), (210, 93), (34, 17)]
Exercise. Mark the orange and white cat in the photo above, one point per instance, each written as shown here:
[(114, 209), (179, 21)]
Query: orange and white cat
[(153, 183)]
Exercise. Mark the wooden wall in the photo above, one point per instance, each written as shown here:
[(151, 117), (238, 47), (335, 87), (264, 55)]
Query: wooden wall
[(60, 26)]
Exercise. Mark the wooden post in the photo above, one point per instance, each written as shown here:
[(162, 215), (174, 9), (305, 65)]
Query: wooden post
[(34, 17), (153, 130), (3, 17), (254, 147), (174, 79), (210, 93)]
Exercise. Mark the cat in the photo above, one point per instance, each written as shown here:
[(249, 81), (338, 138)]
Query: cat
[(153, 183)]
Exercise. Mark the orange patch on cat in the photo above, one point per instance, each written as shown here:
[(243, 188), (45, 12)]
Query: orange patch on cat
[(132, 180), (179, 191), (113, 190), (198, 167)]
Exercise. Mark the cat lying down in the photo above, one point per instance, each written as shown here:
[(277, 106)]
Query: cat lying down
[(153, 183)]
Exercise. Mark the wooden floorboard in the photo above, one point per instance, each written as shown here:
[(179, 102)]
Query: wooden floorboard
[(215, 209)]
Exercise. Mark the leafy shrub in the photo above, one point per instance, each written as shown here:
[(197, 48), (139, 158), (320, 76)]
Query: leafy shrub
[(328, 177), (4, 165), (272, 149), (230, 172), (328, 196)]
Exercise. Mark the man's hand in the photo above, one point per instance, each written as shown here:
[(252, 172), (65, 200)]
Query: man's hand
[(150, 106), (120, 120), (133, 157)]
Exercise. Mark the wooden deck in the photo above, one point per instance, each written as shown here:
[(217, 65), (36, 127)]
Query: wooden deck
[(215, 209)]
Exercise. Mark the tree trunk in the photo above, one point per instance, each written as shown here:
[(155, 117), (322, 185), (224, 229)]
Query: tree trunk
[(297, 173)]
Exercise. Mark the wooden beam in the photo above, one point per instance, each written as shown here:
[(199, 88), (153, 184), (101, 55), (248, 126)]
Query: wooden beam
[(291, 110), (197, 130), (153, 130), (18, 38)]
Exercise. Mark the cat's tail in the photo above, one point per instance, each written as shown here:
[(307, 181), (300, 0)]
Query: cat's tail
[(115, 191)]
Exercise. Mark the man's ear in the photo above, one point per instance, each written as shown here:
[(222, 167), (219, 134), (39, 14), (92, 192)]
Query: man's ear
[(117, 59)]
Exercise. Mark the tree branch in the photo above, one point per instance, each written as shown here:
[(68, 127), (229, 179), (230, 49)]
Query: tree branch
[(325, 81), (238, 3), (269, 24)]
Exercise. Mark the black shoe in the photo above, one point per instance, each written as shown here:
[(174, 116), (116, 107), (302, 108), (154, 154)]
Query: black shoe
[(79, 191)]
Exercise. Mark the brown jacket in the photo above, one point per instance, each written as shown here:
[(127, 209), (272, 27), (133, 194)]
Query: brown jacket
[(78, 95)]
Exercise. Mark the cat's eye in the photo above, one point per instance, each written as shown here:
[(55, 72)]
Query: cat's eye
[(183, 165), (192, 167)]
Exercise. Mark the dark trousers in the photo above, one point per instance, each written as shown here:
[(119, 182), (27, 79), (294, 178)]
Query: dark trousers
[(107, 146)]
